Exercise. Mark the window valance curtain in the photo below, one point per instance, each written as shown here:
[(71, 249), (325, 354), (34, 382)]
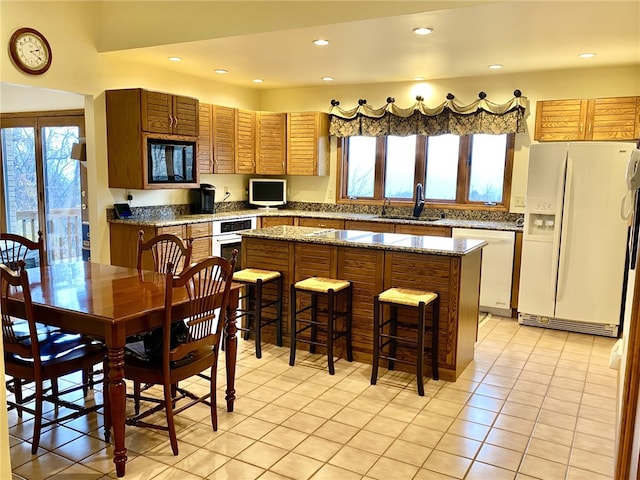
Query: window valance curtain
[(481, 116)]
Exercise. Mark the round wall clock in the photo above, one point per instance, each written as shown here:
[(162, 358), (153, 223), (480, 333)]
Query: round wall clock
[(30, 51)]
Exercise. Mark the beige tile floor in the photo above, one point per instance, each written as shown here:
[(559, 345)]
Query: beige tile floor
[(534, 404)]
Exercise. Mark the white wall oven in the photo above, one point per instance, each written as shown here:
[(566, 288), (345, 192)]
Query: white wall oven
[(226, 238)]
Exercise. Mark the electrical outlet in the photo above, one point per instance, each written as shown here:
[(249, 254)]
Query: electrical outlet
[(519, 200)]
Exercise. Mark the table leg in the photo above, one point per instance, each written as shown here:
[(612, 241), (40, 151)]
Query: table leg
[(231, 347), (117, 399)]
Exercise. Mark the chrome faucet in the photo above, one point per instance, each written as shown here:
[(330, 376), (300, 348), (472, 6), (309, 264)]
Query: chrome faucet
[(417, 209), (386, 203)]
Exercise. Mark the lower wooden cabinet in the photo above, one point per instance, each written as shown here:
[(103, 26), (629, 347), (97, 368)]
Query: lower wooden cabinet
[(379, 227), (430, 230), (201, 234), (321, 222), (275, 221)]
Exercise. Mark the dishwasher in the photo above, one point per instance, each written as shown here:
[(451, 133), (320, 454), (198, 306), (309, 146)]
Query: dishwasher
[(497, 268)]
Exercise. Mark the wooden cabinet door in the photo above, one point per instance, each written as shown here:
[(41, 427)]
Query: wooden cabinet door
[(430, 230), (185, 116), (615, 118), (274, 221), (379, 227), (307, 143), (560, 120), (178, 230), (224, 139), (271, 143), (321, 222), (245, 142), (157, 112), (205, 144)]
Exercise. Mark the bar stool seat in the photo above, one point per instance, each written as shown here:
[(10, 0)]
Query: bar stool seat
[(329, 288), (386, 338), (255, 279)]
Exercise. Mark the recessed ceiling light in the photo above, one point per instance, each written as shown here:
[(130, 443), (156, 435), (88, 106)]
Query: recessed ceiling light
[(423, 31), (587, 55), (321, 42), (257, 80), (419, 79), (328, 79), (174, 59), (495, 66), (221, 71)]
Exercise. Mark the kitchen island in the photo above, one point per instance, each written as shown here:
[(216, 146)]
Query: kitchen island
[(376, 261)]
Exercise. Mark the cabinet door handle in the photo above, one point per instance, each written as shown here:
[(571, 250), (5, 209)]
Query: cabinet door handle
[(175, 121), (170, 121)]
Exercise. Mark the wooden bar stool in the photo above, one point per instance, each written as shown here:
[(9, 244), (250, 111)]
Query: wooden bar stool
[(386, 338), (254, 304), (330, 289)]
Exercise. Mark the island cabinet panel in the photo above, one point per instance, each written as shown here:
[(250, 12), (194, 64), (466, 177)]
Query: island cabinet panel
[(272, 255), (442, 275), (321, 222), (423, 230), (274, 221), (379, 227), (364, 268)]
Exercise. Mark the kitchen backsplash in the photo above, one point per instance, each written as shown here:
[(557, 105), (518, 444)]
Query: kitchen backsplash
[(172, 211)]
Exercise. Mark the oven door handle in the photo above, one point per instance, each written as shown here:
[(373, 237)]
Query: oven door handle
[(220, 239)]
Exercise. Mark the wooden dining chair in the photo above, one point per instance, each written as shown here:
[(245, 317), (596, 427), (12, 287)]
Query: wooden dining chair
[(205, 287), (36, 358), (14, 248), (164, 249)]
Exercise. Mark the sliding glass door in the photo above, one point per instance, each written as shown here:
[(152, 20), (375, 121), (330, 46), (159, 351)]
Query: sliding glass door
[(42, 186)]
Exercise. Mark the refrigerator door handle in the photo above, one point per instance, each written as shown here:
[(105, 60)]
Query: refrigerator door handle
[(553, 284), (565, 229)]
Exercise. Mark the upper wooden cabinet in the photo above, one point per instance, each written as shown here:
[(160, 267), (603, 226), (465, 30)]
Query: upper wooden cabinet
[(224, 139), (205, 136), (307, 143), (271, 143), (245, 141), (135, 117), (166, 113), (616, 118)]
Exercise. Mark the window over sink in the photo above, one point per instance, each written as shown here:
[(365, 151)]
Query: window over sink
[(471, 171)]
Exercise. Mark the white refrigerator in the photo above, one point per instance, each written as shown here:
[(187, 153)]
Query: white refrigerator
[(574, 241)]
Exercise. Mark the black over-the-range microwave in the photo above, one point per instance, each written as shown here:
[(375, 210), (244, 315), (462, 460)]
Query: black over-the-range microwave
[(170, 159)]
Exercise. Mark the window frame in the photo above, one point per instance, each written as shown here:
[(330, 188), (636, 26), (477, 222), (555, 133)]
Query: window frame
[(462, 184)]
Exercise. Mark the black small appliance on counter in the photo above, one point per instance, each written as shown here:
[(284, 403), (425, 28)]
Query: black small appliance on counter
[(203, 199)]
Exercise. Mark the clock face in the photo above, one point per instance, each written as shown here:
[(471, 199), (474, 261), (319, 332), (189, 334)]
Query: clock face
[(30, 51)]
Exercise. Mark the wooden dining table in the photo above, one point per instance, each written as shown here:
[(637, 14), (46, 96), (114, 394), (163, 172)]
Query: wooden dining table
[(110, 303)]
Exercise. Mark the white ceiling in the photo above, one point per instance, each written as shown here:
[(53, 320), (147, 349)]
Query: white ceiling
[(521, 35)]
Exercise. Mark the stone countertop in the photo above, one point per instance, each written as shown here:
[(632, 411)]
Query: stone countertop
[(452, 247), (239, 214)]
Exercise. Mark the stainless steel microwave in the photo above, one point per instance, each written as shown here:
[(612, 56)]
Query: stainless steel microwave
[(171, 160)]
